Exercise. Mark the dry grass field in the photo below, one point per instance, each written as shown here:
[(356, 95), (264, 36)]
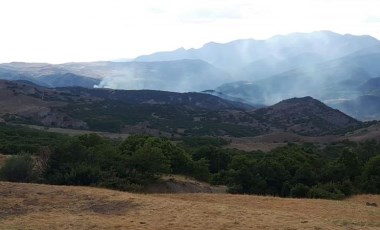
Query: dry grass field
[(31, 206)]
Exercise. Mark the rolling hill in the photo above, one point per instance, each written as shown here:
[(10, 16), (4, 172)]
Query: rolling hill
[(305, 116)]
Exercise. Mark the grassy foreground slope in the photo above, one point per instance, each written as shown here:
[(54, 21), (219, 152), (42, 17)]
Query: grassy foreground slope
[(31, 206)]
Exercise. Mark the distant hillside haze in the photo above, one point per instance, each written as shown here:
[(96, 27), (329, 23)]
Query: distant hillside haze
[(178, 75), (338, 78)]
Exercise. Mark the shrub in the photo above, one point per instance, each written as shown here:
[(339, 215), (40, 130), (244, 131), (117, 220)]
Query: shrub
[(18, 168), (326, 191), (347, 188), (82, 174), (299, 190)]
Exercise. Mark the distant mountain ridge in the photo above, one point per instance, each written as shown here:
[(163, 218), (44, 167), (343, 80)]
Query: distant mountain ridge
[(232, 56)]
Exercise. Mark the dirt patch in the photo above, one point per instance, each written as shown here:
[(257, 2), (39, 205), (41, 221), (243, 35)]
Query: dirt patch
[(16, 210), (110, 207), (15, 202)]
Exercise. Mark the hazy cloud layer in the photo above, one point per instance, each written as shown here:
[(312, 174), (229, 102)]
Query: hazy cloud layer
[(88, 30)]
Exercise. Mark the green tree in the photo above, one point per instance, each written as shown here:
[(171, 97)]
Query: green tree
[(218, 158), (148, 161), (351, 164), (371, 175)]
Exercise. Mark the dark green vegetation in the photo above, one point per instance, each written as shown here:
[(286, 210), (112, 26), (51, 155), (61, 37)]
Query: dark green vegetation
[(333, 171), (336, 171), (16, 139), (92, 160)]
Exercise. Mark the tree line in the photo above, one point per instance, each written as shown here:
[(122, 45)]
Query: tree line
[(332, 171)]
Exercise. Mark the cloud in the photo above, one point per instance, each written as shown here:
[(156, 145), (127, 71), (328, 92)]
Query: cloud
[(373, 19), (205, 15), (156, 10)]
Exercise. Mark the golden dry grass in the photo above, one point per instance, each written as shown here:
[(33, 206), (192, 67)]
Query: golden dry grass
[(31, 206)]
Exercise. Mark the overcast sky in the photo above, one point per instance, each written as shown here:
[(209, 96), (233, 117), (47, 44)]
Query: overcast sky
[(87, 30)]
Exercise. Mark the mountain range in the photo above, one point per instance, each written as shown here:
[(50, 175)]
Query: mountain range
[(340, 70)]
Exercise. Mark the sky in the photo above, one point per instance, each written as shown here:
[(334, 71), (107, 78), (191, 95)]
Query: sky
[(58, 31)]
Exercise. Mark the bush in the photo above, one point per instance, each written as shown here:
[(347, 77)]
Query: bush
[(200, 170), (347, 188), (18, 168), (326, 191), (82, 174), (299, 191)]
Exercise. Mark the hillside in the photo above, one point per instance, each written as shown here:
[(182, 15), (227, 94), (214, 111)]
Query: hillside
[(67, 207), (163, 113), (144, 111), (304, 116)]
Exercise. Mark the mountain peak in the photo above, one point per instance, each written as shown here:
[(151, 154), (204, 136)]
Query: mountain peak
[(180, 49), (301, 103), (300, 100)]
